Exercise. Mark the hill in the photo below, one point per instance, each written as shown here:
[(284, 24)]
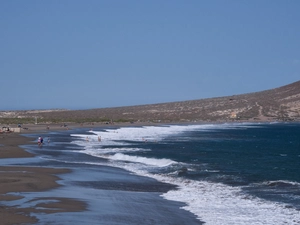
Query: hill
[(281, 104)]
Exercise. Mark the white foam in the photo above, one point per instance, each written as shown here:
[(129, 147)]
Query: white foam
[(213, 203), (222, 204), (154, 132), (143, 160)]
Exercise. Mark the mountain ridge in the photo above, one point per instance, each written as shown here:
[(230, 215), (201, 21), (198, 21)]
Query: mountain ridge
[(277, 104)]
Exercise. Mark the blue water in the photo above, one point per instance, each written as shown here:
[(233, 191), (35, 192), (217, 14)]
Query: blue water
[(225, 173)]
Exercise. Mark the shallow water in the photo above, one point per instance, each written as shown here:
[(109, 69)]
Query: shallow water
[(225, 173)]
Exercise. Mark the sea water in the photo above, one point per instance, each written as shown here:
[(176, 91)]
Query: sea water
[(235, 173), (226, 173)]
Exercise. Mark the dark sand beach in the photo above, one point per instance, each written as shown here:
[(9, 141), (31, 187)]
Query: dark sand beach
[(44, 194), (27, 179)]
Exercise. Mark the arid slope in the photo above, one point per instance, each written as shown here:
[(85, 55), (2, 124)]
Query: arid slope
[(281, 103)]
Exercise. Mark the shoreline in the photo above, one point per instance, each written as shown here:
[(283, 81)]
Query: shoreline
[(37, 179), (18, 179)]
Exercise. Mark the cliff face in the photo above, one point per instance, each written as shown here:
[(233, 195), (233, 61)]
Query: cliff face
[(281, 103)]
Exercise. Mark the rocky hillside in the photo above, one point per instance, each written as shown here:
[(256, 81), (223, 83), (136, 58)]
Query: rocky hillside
[(281, 103)]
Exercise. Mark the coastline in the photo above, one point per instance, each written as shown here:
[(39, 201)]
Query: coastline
[(44, 194), (18, 179)]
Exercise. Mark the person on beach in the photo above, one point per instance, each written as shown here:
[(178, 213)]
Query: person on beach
[(39, 141), (99, 138)]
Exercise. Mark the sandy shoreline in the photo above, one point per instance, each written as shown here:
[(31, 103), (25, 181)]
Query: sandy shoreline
[(17, 179), (34, 179), (24, 179)]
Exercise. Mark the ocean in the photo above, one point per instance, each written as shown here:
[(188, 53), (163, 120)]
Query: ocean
[(231, 173)]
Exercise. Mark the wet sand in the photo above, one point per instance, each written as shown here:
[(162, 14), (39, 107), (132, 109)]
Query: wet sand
[(28, 179), (41, 192)]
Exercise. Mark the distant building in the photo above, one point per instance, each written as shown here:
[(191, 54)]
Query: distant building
[(9, 129), (233, 115)]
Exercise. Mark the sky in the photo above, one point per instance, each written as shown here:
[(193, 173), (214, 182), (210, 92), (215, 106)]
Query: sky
[(83, 54)]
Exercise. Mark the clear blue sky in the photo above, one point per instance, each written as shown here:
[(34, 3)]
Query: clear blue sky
[(105, 53)]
